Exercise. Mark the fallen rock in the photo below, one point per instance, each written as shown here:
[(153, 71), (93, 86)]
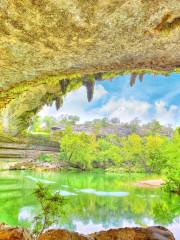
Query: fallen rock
[(22, 166), (8, 233), (150, 233), (63, 235)]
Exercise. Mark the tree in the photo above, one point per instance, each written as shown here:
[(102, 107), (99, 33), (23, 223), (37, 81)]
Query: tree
[(131, 149), (69, 120), (153, 158), (134, 125), (101, 123), (107, 151), (73, 119), (155, 127), (36, 124), (115, 121), (51, 208), (77, 148), (49, 122)]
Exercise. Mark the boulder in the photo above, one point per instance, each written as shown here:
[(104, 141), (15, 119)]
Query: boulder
[(150, 233), (63, 235), (9, 233)]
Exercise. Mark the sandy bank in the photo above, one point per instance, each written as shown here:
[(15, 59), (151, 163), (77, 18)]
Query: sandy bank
[(150, 183)]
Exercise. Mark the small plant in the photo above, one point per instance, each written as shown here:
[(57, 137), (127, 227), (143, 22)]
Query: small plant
[(46, 158), (51, 208)]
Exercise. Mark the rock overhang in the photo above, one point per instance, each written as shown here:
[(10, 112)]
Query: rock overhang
[(47, 37)]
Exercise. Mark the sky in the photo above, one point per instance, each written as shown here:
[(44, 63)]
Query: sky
[(157, 97)]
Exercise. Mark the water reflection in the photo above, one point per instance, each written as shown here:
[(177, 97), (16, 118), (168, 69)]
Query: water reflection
[(26, 214), (40, 180), (66, 193), (95, 201), (106, 194)]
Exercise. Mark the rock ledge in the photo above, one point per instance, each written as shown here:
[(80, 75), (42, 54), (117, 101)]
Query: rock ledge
[(150, 233)]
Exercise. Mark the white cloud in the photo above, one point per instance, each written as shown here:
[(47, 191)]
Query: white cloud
[(75, 103), (166, 114), (126, 110)]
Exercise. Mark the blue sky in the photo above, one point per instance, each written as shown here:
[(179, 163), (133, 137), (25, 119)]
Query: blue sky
[(157, 97)]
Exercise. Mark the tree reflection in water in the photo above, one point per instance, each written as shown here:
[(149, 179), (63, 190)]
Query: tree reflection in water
[(96, 201)]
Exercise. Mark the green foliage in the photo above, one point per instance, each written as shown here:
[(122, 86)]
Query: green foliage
[(107, 150), (51, 208), (131, 150), (111, 75), (48, 122), (134, 125), (46, 158), (32, 96), (36, 124), (154, 127), (69, 120), (132, 153), (149, 152), (42, 125), (172, 153), (45, 124), (173, 180), (153, 156), (77, 149)]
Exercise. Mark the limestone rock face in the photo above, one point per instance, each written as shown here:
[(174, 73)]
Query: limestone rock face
[(48, 37), (63, 235), (151, 233)]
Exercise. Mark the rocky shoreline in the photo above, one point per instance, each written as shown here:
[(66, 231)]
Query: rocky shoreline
[(39, 166), (20, 156), (149, 233)]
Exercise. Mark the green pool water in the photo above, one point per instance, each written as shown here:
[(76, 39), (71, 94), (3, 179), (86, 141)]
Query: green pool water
[(95, 201)]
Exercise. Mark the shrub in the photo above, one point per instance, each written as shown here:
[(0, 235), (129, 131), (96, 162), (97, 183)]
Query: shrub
[(51, 208), (173, 181), (46, 158)]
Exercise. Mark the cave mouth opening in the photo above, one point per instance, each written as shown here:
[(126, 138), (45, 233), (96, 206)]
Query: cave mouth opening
[(141, 97), (135, 99)]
